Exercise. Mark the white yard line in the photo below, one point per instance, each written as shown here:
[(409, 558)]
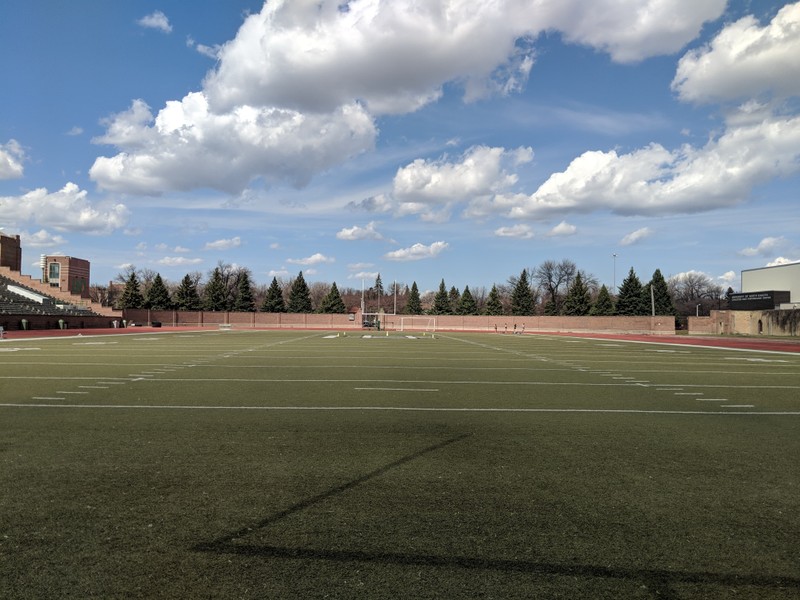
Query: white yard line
[(395, 409)]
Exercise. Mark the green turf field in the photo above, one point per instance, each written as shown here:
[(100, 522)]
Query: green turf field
[(306, 465)]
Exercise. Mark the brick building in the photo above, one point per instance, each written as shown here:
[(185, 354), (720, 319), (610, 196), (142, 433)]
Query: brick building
[(66, 273), (10, 252)]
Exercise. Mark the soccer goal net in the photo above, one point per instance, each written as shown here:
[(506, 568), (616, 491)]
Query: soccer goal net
[(418, 324)]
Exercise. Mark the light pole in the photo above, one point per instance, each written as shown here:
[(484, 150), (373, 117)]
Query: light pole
[(615, 272)]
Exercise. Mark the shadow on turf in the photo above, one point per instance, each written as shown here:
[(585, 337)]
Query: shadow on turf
[(659, 582)]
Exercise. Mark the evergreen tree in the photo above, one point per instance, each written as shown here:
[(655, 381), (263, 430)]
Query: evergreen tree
[(603, 305), (414, 304), (550, 307), (455, 299), (158, 295), (273, 302), (378, 285), (522, 301), (215, 296), (186, 296), (332, 303), (132, 295), (577, 303), (300, 296), (243, 301), (630, 300), (494, 306), (467, 304), (441, 301), (661, 295)]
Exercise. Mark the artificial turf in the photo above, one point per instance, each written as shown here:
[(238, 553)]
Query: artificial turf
[(299, 465)]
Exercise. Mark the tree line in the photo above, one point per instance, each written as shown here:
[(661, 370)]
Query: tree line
[(552, 288)]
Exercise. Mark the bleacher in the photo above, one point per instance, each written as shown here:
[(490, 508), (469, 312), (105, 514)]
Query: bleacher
[(16, 299)]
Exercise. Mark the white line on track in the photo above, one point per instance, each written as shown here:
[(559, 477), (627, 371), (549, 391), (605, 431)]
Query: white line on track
[(397, 409), (388, 389)]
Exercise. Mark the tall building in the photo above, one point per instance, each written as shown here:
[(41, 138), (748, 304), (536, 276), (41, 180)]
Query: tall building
[(10, 252)]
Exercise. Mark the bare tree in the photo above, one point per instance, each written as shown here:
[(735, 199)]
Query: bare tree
[(694, 292), (553, 277), (317, 291)]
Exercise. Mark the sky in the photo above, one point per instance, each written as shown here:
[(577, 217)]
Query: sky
[(419, 139)]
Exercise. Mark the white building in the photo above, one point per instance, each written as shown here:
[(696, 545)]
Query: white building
[(777, 278)]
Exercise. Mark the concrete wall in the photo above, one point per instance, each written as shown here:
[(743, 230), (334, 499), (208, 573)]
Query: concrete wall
[(14, 322), (645, 325), (746, 322), (241, 320)]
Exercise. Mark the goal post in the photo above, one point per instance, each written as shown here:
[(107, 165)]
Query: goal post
[(427, 324)]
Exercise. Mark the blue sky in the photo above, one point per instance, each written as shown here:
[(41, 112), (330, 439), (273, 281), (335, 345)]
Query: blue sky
[(418, 140)]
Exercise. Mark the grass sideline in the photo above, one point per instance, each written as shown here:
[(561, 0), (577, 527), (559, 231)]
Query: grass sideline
[(317, 465)]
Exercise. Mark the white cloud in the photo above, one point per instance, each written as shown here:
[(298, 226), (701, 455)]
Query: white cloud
[(359, 266), (186, 146), (563, 229), (41, 239), (11, 158), (636, 236), (782, 261), (766, 247), (298, 89), (179, 261), (156, 20), (379, 204), (75, 131), (429, 187), (224, 244), (417, 252), (729, 277), (209, 51), (181, 249), (360, 233), (366, 275), (68, 209), (744, 60), (314, 259), (632, 31), (395, 56), (278, 273), (521, 231), (655, 181)]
